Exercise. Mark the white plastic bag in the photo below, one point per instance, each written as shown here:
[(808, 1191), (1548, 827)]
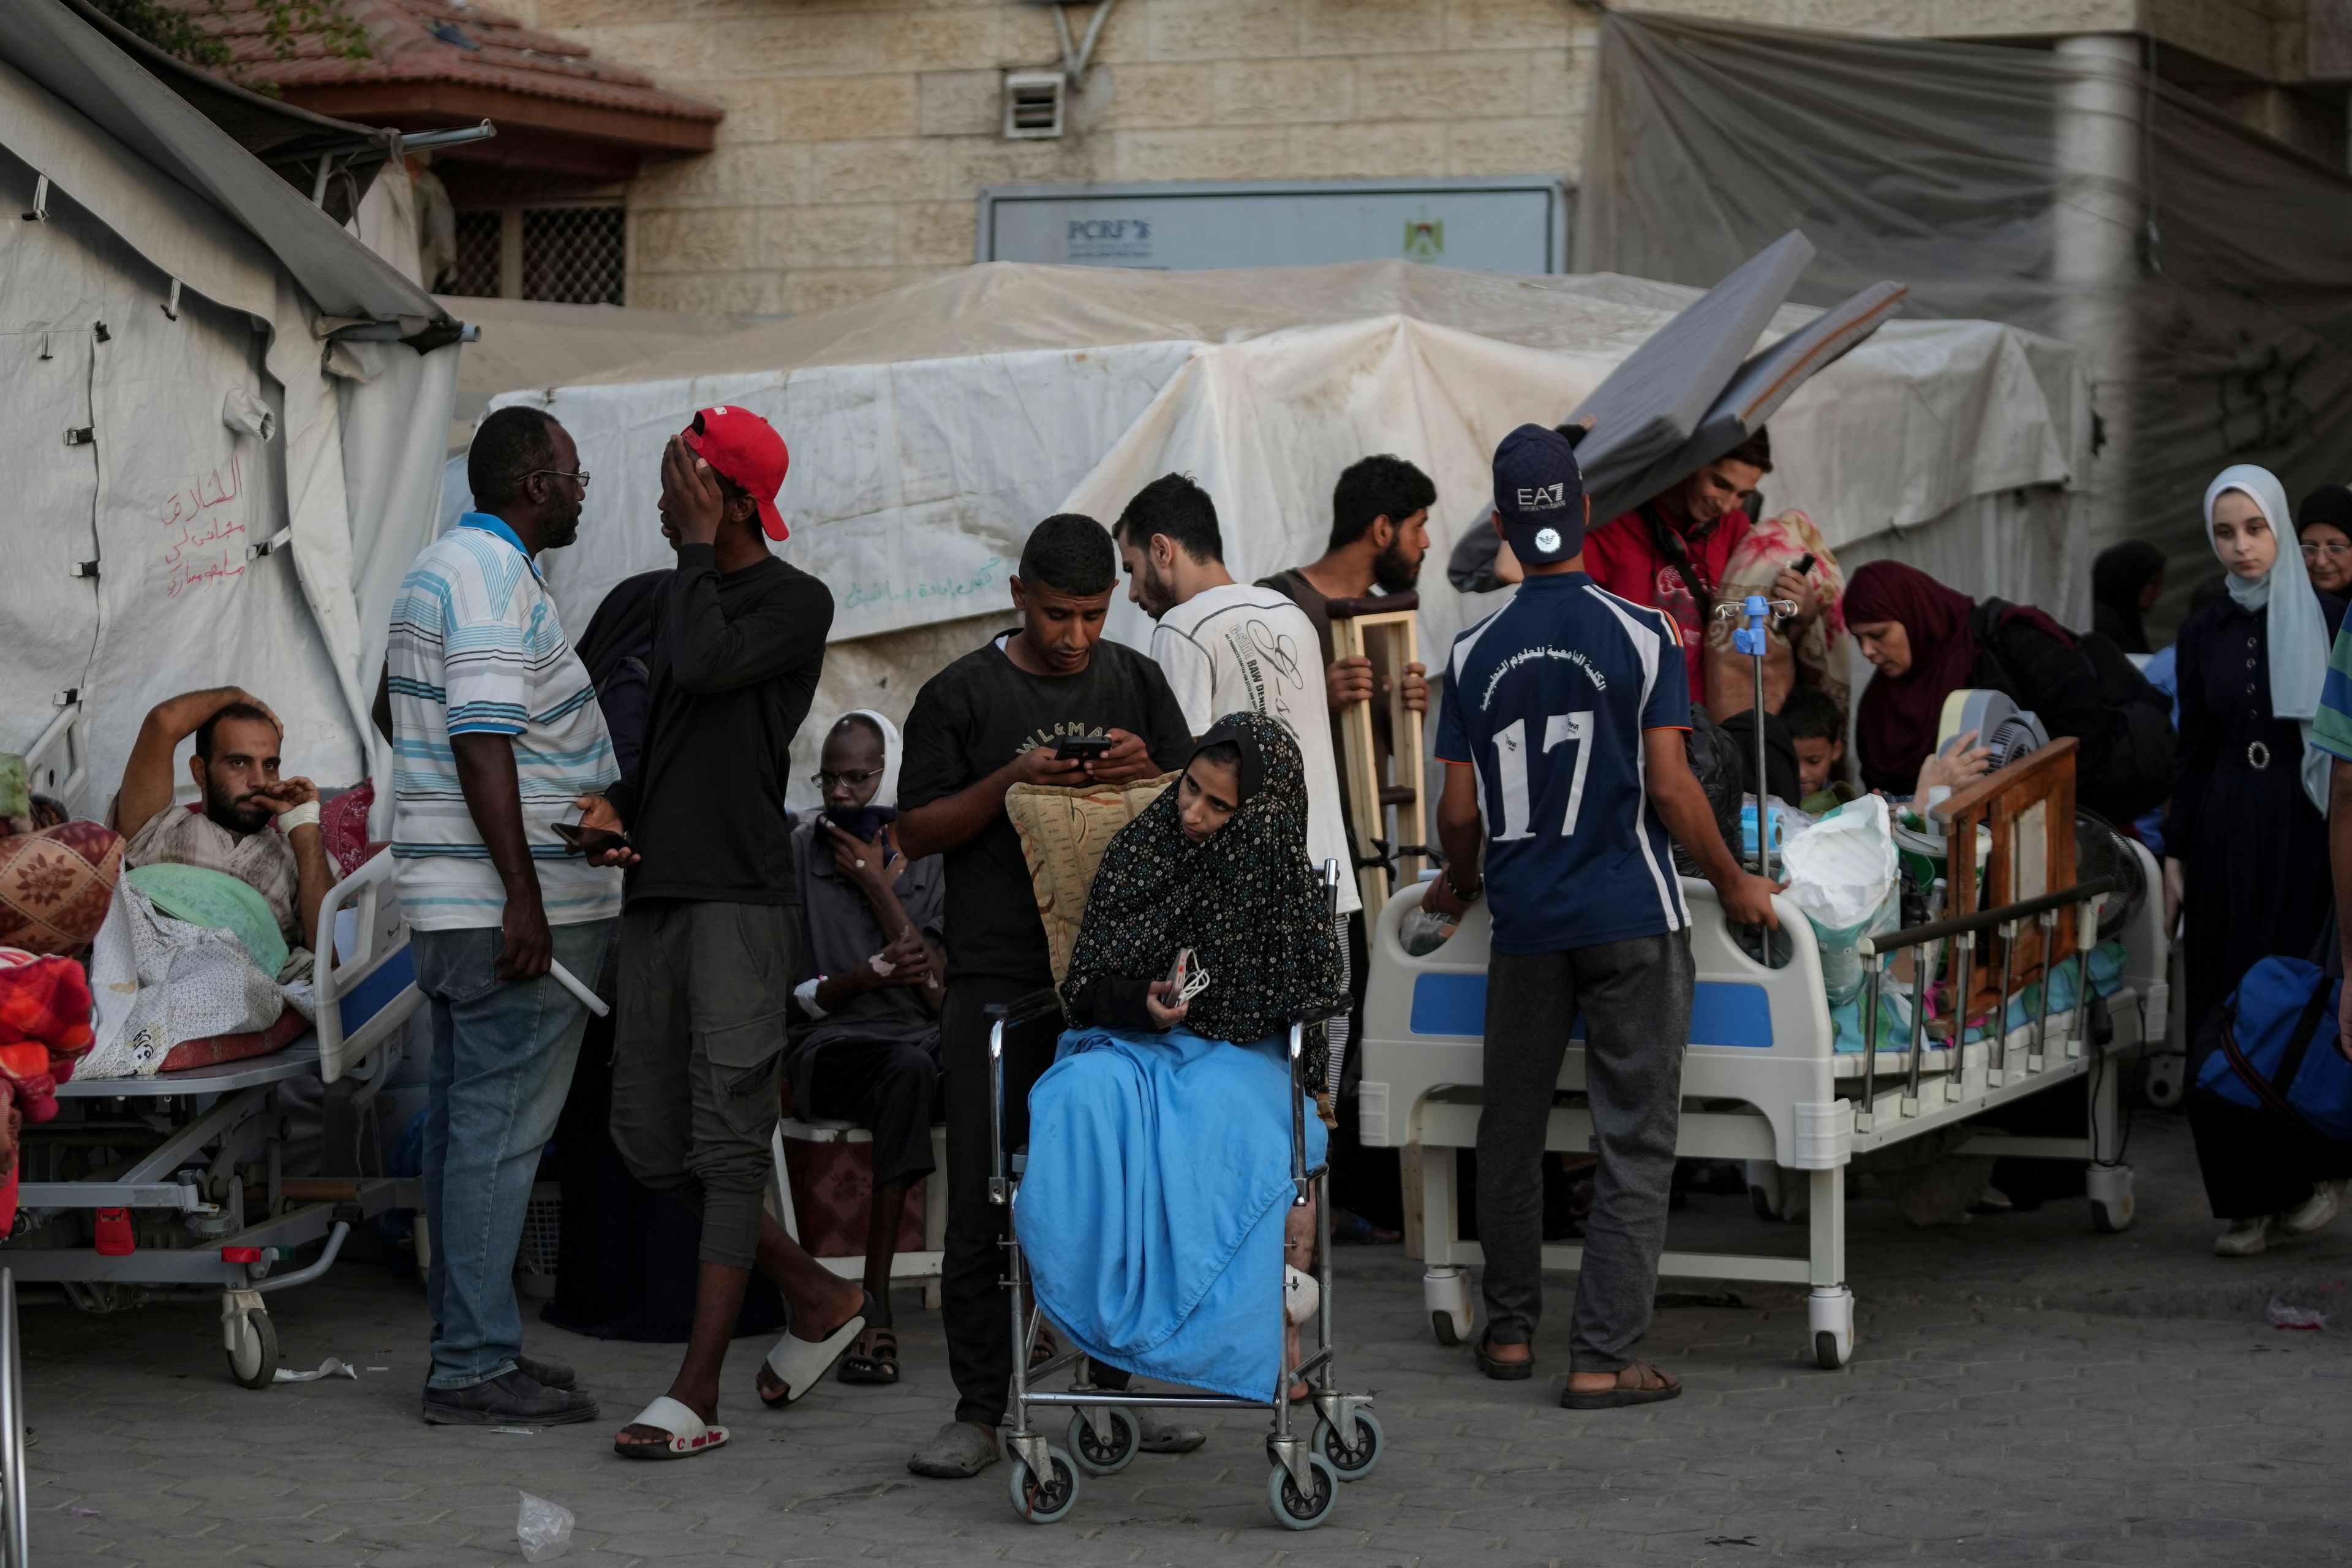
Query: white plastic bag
[(544, 1528), (1843, 873)]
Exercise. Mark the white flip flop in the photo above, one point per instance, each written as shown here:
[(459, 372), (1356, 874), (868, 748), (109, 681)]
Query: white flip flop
[(689, 1435), (800, 1365)]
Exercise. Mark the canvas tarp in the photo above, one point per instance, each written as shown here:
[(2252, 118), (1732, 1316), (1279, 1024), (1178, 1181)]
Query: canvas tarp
[(932, 426), (2074, 195), (166, 494)]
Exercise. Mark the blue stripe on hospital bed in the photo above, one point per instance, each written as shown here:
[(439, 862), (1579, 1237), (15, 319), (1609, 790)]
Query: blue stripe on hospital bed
[(1723, 1012), (371, 995)]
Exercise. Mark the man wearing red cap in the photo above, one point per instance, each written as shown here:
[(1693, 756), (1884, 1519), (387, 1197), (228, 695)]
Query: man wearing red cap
[(710, 917)]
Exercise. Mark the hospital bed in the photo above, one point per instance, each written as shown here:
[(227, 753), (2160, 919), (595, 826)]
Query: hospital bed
[(179, 1174), (1762, 1081)]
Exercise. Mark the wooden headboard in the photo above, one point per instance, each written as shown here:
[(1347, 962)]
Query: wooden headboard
[(2029, 807)]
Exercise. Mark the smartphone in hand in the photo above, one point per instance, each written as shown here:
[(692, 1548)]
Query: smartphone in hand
[(591, 840), (1082, 748)]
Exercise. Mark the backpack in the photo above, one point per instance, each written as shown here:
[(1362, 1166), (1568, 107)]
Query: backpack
[(2139, 775), (2275, 1047)]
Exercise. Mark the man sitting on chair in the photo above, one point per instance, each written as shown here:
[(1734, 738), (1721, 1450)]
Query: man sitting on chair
[(865, 1024), (229, 829)]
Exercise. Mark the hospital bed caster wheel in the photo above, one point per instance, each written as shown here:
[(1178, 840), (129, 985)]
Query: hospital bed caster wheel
[(253, 1350), (1351, 1462), (2110, 1187), (1091, 1454), (1445, 1292), (1045, 1502), (1298, 1513), (1830, 1315)]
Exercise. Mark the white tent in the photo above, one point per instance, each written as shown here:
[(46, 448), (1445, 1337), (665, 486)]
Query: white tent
[(169, 292), (931, 427)]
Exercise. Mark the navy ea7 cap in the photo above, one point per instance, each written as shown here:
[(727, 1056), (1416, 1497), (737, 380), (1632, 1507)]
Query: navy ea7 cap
[(1539, 494)]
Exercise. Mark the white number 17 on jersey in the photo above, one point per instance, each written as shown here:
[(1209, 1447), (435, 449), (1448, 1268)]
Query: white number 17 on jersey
[(1511, 770)]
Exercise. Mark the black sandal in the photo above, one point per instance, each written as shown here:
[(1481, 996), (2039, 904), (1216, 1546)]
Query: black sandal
[(1502, 1371), (874, 1359)]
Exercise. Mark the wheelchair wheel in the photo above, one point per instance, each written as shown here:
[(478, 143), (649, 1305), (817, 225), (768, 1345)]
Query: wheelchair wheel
[(1351, 1462), (1046, 1501), (1294, 1511), (1091, 1455)]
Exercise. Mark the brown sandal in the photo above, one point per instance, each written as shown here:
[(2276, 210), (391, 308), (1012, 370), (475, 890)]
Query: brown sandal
[(1502, 1371), (1638, 1383), (874, 1358)]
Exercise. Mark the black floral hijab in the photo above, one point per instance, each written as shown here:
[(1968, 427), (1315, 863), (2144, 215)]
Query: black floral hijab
[(1246, 901)]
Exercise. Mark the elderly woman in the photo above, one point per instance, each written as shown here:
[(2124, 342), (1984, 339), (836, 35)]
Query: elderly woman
[(2246, 846), (1157, 1203), (2323, 525), (1928, 641)]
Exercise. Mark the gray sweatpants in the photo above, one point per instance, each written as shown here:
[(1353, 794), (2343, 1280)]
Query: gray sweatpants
[(1635, 998), (696, 1049)]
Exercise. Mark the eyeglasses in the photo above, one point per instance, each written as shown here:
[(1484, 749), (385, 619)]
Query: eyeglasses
[(581, 475), (826, 781), (2313, 548)]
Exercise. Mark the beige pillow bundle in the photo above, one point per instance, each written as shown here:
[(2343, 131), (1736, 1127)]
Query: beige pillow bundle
[(1064, 832)]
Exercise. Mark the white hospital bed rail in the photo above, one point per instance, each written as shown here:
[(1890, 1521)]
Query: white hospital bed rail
[(1761, 1082)]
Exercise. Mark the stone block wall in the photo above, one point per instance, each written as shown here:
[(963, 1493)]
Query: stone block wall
[(858, 135), (860, 132)]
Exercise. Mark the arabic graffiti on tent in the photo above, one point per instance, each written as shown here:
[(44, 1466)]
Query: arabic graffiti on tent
[(210, 544)]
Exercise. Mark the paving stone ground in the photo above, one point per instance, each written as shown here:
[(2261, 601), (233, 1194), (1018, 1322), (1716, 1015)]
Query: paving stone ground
[(1979, 1423)]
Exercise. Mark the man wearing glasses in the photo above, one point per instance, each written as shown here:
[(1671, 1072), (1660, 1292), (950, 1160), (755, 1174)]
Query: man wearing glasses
[(711, 927), (498, 731)]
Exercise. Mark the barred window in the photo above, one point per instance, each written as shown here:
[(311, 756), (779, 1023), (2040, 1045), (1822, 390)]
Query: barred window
[(572, 254), (475, 269), (575, 254)]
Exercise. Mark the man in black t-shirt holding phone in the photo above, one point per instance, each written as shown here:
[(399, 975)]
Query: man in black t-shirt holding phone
[(1047, 703)]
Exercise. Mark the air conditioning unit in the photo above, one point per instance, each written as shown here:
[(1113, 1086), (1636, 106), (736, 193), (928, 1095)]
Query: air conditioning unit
[(1033, 105)]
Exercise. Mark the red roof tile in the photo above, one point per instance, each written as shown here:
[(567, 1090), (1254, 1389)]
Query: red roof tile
[(435, 41)]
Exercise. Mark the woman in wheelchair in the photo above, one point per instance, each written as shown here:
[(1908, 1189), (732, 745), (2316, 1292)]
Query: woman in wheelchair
[(1158, 1199)]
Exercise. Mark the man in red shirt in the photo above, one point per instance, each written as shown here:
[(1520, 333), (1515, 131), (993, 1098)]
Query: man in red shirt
[(1670, 552)]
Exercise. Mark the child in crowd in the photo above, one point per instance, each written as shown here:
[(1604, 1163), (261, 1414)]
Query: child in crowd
[(1817, 730)]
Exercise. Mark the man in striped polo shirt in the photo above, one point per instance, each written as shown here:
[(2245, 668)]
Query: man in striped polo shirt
[(496, 734)]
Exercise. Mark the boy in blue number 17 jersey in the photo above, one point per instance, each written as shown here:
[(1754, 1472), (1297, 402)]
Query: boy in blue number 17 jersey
[(1561, 730)]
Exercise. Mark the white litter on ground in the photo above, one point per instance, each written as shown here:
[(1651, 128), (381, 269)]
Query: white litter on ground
[(330, 1367), (544, 1528), (2283, 1316)]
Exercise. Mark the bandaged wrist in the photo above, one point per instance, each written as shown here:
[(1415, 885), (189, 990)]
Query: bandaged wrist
[(805, 994), (303, 815)]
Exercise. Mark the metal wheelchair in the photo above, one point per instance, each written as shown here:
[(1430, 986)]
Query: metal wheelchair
[(1102, 1437)]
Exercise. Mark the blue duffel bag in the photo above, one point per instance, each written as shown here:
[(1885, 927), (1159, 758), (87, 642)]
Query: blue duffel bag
[(2276, 1047)]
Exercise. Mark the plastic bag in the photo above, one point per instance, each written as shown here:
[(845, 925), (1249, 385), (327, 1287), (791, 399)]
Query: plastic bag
[(1422, 931), (544, 1528), (1842, 873)]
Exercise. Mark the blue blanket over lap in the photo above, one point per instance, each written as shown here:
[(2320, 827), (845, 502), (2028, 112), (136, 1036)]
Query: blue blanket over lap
[(1151, 1213)]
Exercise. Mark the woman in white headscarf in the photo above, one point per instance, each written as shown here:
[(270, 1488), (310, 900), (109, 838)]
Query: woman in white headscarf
[(864, 1036), (2246, 845)]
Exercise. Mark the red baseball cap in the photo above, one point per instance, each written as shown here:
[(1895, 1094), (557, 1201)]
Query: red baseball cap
[(747, 449)]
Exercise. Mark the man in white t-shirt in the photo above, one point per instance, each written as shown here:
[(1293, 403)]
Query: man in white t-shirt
[(1228, 648)]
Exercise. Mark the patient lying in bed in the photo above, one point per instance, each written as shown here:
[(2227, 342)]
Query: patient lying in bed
[(1158, 1199)]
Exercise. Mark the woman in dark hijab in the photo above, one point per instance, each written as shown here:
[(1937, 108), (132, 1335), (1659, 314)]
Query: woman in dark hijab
[(2323, 526), (1928, 641), (1157, 1195), (2126, 582)]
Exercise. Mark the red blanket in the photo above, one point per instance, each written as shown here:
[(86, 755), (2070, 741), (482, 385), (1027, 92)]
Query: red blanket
[(44, 1027)]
